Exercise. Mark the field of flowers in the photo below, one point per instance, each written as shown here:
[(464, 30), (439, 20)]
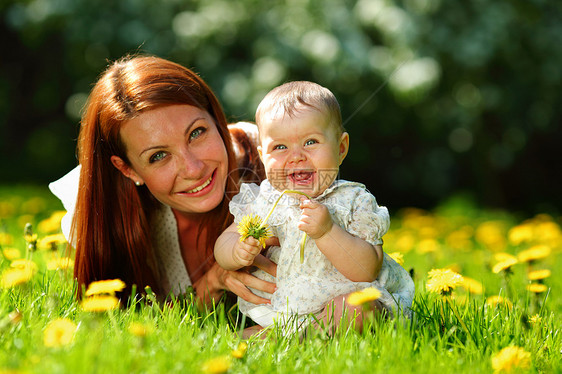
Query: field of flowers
[(486, 301)]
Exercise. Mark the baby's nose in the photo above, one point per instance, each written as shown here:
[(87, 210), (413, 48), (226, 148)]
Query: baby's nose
[(297, 155)]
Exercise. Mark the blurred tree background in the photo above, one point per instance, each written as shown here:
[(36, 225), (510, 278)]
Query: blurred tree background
[(441, 98)]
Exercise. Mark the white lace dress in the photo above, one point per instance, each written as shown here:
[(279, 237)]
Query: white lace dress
[(305, 288)]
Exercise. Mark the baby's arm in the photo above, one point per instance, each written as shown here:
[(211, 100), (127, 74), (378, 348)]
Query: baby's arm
[(231, 253), (355, 258)]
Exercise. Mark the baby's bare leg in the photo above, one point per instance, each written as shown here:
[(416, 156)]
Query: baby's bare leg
[(250, 331), (338, 311)]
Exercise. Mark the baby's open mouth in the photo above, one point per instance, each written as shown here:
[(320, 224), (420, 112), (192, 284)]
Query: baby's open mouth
[(301, 177)]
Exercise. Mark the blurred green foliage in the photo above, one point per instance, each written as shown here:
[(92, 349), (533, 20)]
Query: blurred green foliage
[(439, 97)]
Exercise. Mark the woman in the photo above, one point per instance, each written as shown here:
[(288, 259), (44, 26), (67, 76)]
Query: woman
[(158, 168)]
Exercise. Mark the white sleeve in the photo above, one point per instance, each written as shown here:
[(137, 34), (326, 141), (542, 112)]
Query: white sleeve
[(66, 189), (369, 221)]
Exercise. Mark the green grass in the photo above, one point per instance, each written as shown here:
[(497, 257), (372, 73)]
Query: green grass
[(180, 338)]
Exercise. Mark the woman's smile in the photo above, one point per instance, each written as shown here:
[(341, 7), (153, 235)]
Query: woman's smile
[(204, 187)]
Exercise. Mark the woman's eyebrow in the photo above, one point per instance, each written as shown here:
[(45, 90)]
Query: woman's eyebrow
[(191, 125), (187, 129)]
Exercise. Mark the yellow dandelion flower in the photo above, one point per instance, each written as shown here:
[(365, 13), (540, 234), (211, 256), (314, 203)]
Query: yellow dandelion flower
[(51, 242), (7, 209), (398, 257), (520, 234), (363, 296), (504, 265), (11, 253), (491, 234), (100, 303), (428, 246), (510, 359), (428, 232), (217, 365), (443, 281), (60, 263), (23, 264), (240, 351), (251, 225), (59, 332), (109, 286), (502, 256), (34, 205), (13, 277), (30, 238), (405, 242), (496, 300), (538, 274), (548, 232), (535, 319), (52, 223), (536, 252), (537, 288), (139, 329), (472, 286), (6, 239), (460, 239)]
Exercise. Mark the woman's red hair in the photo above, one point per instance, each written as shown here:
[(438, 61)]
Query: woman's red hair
[(111, 226)]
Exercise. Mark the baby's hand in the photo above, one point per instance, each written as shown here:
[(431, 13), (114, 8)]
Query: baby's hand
[(246, 251), (315, 219)]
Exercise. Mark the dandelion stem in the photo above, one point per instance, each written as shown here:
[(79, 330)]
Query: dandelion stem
[(303, 243), (442, 315), (277, 201), (303, 240), (456, 312)]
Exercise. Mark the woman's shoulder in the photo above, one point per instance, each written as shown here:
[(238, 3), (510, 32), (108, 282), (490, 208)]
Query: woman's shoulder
[(245, 140)]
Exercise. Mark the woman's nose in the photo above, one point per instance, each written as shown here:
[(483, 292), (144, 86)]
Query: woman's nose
[(190, 166)]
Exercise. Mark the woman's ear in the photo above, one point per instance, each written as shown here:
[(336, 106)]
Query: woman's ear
[(344, 146), (126, 170)]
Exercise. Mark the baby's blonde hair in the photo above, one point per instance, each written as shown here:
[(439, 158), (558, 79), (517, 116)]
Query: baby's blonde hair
[(285, 100)]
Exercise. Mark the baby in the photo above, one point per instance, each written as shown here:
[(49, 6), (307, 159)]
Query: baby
[(302, 145)]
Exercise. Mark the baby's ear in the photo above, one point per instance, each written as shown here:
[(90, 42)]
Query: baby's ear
[(344, 146), (259, 152)]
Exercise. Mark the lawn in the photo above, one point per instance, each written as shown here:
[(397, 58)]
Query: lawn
[(501, 313)]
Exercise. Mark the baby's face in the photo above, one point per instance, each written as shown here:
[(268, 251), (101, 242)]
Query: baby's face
[(303, 152)]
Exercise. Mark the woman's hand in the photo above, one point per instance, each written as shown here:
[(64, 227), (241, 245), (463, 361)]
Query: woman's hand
[(238, 281), (213, 284)]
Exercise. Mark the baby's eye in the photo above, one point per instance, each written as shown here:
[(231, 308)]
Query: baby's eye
[(196, 133), (157, 156), (280, 146), (311, 141)]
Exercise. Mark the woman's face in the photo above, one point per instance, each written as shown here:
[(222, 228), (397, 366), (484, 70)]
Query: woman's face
[(179, 154)]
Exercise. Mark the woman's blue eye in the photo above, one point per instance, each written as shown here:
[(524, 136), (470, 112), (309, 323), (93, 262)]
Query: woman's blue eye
[(157, 156), (311, 141), (196, 133), (280, 146)]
